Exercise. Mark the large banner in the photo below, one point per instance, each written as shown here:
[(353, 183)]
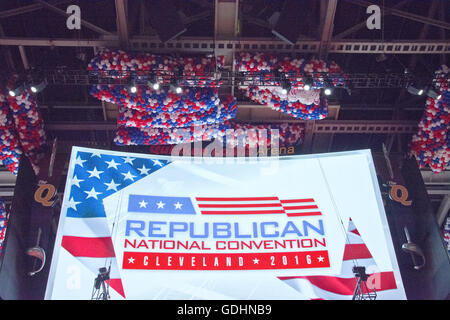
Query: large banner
[(222, 228)]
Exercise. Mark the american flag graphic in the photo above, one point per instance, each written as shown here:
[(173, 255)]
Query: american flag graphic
[(86, 234), (258, 205), (342, 286)]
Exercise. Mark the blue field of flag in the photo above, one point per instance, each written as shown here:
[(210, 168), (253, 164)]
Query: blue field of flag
[(159, 204)]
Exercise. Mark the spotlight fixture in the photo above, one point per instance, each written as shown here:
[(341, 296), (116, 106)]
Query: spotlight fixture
[(328, 86), (430, 92), (17, 90), (133, 87), (413, 89), (36, 87), (175, 86), (308, 83), (285, 84), (153, 82)]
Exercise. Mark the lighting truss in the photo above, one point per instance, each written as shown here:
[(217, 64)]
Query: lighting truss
[(227, 78)]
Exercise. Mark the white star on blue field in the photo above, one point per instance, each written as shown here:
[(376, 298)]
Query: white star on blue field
[(97, 176)]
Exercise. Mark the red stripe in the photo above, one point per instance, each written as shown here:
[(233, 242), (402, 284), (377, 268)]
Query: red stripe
[(356, 251), (244, 212), (300, 207), (346, 286), (256, 205), (297, 200), (304, 214), (88, 247), (355, 231), (116, 284), (238, 199)]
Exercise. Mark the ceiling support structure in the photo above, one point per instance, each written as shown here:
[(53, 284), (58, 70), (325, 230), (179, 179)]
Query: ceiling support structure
[(122, 22), (327, 29), (208, 45), (27, 9)]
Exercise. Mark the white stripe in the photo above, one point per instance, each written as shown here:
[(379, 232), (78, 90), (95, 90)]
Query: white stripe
[(86, 227), (313, 292), (94, 264)]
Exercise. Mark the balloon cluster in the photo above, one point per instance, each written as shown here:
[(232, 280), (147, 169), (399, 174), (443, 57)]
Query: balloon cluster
[(431, 145), (161, 116), (316, 110), (164, 100), (263, 66), (216, 114), (3, 223), (10, 149), (29, 126), (156, 136), (252, 135), (297, 102), (198, 71), (447, 234)]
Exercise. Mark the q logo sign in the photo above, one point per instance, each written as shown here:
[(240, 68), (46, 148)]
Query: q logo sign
[(400, 194), (45, 194)]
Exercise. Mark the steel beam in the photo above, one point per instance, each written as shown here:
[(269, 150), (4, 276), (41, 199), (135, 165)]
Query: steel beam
[(322, 126), (122, 22), (27, 9), (327, 28), (208, 45)]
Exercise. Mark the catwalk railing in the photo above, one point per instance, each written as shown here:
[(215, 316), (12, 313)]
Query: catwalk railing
[(64, 76)]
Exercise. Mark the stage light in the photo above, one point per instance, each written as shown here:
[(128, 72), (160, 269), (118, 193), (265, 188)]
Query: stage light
[(178, 90), (430, 92), (285, 84), (328, 87), (412, 89), (16, 91), (36, 87), (153, 82), (133, 87), (308, 83)]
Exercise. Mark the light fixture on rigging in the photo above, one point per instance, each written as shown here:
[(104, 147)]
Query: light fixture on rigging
[(17, 90), (328, 86), (38, 86), (153, 82), (308, 83)]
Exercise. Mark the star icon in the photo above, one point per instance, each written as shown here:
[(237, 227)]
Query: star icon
[(143, 204), (96, 154), (256, 261), (94, 173), (130, 260), (129, 176), (79, 161), (160, 204), (72, 204), (112, 164), (76, 181), (92, 194), (143, 170), (157, 163), (178, 205), (112, 185), (320, 258), (129, 160)]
